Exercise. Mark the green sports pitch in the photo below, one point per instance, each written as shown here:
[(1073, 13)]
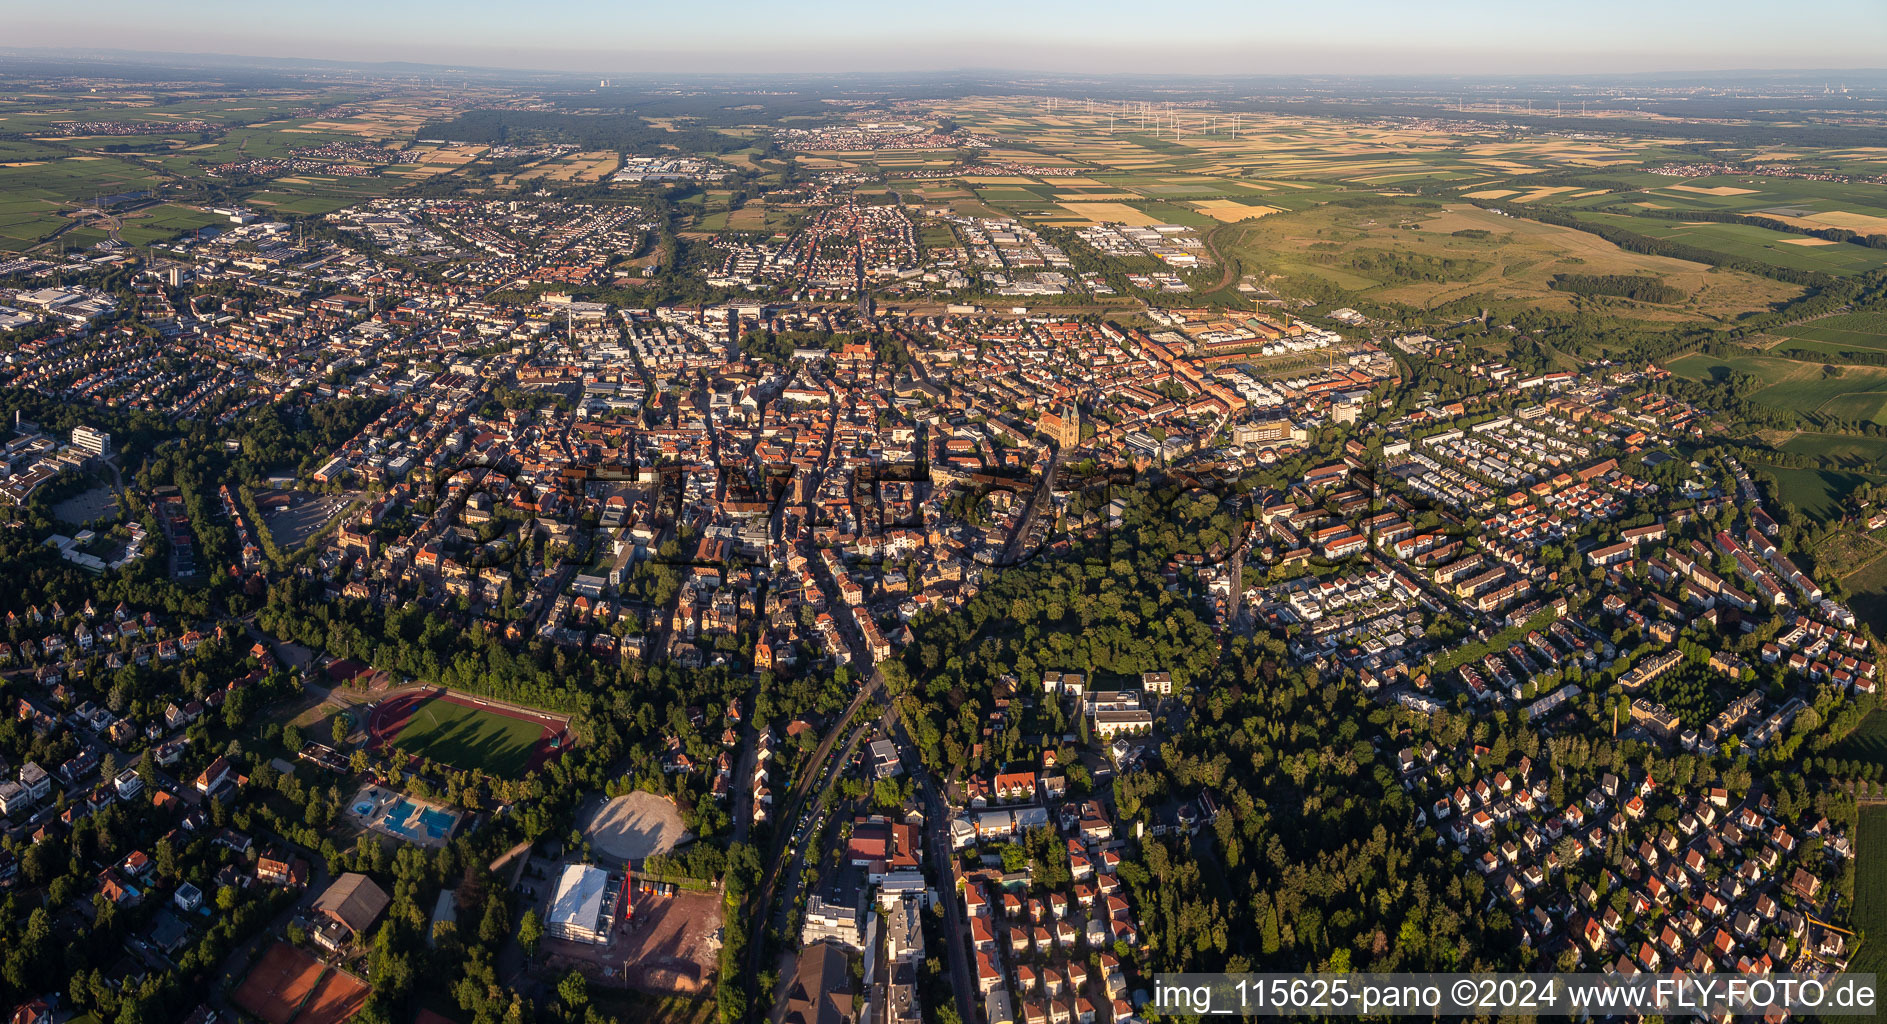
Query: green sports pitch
[(470, 738)]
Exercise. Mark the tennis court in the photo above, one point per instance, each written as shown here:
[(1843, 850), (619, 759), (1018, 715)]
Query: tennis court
[(279, 983)]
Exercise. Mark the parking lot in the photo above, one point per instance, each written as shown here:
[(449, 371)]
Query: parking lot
[(291, 527), (87, 506)]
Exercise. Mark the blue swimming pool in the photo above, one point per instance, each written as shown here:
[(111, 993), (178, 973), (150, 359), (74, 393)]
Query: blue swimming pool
[(408, 819)]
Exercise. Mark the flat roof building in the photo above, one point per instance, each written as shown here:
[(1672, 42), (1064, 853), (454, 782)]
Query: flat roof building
[(576, 911), (97, 442)]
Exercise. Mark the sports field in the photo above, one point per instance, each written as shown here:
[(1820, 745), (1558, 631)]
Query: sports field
[(461, 732), (338, 998), (279, 983)]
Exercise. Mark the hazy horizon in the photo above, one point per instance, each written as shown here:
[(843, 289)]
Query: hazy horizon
[(1216, 37)]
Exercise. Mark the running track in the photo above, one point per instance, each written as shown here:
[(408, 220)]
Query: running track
[(394, 712)]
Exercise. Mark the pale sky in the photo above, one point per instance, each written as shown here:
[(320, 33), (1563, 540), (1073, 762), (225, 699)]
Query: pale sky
[(1096, 36)]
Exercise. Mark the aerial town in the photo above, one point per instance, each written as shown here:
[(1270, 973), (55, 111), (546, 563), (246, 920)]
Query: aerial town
[(492, 555)]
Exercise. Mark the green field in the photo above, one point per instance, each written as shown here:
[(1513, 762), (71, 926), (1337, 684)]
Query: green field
[(1431, 253), (1829, 338), (162, 223), (1821, 493), (32, 198), (470, 738), (1752, 195), (1868, 587), (1853, 392), (1868, 742), (1870, 889), (1863, 453), (1742, 241)]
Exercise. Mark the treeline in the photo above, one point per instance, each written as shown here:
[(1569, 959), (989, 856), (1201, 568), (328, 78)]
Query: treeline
[(1625, 286), (590, 131)]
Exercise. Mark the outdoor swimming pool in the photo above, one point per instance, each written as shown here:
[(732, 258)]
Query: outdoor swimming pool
[(408, 819)]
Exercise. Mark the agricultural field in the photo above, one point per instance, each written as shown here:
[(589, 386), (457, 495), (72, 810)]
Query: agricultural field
[(589, 166), (1821, 493), (1868, 742), (315, 194), (427, 160), (36, 197), (1850, 392), (1141, 199), (1870, 885), (37, 113), (1426, 254), (754, 216), (46, 173), (1138, 138), (1746, 242), (1868, 589), (164, 222), (1776, 198), (1849, 451), (1829, 338)]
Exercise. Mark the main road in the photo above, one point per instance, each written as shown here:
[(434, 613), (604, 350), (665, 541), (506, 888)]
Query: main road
[(1043, 493), (962, 979), (817, 769)]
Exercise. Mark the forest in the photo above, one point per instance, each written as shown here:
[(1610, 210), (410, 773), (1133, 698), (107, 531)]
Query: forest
[(1624, 286)]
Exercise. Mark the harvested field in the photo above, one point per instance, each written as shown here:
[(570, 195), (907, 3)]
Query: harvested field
[(1543, 193), (1111, 213), (1230, 210), (1857, 222)]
